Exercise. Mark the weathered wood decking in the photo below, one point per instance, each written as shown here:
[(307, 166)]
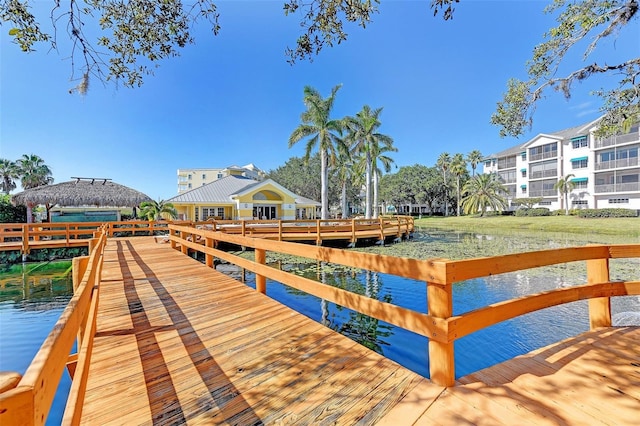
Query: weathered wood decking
[(178, 342)]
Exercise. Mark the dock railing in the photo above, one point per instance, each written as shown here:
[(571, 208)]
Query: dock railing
[(439, 275), (27, 236), (27, 400)]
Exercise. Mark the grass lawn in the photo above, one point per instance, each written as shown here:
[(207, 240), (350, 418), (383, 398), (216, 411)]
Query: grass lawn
[(628, 226)]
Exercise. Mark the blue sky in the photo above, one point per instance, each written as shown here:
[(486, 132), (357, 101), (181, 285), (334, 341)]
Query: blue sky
[(233, 98)]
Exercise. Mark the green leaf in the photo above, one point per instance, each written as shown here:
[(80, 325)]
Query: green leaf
[(14, 31)]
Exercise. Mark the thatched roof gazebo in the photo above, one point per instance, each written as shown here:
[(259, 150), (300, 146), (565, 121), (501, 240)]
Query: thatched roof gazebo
[(99, 192)]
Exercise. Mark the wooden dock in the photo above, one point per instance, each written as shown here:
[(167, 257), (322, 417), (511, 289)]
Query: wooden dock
[(164, 339), (178, 342)]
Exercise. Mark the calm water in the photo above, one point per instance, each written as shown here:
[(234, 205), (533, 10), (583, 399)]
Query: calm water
[(30, 304)]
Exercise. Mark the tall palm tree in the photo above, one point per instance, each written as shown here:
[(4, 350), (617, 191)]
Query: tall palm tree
[(366, 141), (323, 132), (346, 173), (33, 171), (484, 191), (386, 162), (458, 168), (443, 163), (565, 186), (474, 158), (157, 210), (9, 171)]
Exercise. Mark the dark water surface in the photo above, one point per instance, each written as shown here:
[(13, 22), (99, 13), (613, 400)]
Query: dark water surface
[(30, 304)]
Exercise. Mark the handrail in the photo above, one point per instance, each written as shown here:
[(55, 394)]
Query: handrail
[(67, 234), (438, 324), (30, 401)]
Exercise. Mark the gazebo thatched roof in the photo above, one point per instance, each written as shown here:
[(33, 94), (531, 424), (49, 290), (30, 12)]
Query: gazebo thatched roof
[(82, 192)]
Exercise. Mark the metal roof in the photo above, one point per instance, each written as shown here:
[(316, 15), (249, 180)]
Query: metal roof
[(222, 191)]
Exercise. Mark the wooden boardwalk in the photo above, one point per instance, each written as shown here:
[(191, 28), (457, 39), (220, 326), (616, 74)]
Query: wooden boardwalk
[(178, 342)]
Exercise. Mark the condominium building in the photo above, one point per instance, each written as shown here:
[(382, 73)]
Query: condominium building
[(605, 170), (193, 178)]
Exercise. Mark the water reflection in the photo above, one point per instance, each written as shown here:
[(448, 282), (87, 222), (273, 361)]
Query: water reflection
[(32, 287)]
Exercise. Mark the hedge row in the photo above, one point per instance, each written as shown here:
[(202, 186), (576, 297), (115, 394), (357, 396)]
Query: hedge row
[(538, 211), (588, 213)]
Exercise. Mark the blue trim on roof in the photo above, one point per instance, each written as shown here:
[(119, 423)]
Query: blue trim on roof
[(523, 170), (579, 159), (582, 179), (578, 138), (523, 186)]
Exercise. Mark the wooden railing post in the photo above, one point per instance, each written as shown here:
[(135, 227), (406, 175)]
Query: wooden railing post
[(25, 242), (172, 232), (318, 233), (353, 231), (600, 307), (381, 229), (244, 227), (280, 230), (208, 243), (261, 280), (441, 357)]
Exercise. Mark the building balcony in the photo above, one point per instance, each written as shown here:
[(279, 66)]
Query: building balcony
[(617, 140), (544, 174), (618, 187), (543, 193), (543, 156), (511, 164), (617, 164)]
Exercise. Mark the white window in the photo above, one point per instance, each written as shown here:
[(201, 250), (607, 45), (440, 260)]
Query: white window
[(580, 142), (579, 164), (618, 201)]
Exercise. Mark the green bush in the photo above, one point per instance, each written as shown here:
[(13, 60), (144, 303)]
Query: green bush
[(589, 213), (538, 211), (10, 213)]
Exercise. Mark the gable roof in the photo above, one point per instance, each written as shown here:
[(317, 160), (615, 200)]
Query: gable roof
[(564, 134), (223, 191)]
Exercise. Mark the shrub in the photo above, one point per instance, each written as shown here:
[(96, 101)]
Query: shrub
[(538, 211), (590, 213)]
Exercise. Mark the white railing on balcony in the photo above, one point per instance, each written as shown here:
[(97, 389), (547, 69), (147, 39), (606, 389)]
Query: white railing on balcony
[(543, 193), (618, 187), (543, 174), (617, 140), (617, 164), (543, 156)]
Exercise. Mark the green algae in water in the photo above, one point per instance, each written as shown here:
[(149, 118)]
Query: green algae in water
[(36, 281)]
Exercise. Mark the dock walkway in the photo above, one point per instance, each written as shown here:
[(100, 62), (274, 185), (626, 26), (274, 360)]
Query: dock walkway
[(178, 342)]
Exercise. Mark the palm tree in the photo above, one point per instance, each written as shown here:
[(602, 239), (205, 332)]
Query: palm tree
[(386, 162), (9, 171), (321, 131), (458, 167), (565, 185), (33, 171), (157, 210), (346, 174), (484, 191), (474, 158), (444, 160), (365, 141)]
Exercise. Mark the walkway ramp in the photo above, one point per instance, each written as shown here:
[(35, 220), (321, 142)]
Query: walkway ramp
[(178, 342)]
